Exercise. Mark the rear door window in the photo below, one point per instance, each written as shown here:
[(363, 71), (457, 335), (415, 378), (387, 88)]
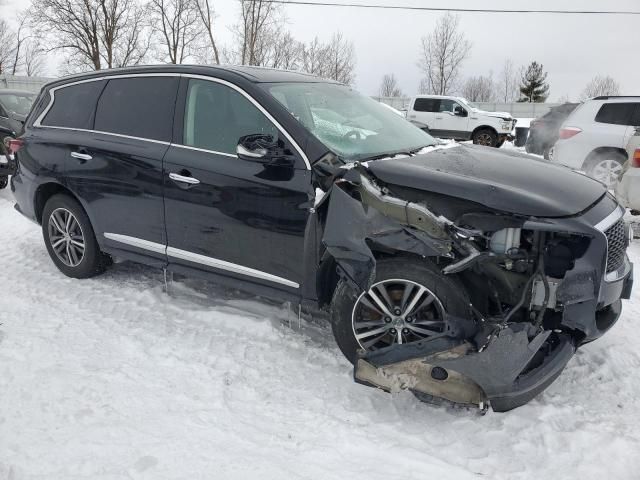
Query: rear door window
[(426, 105), (616, 113), (635, 116), (216, 116), (74, 106), (138, 107)]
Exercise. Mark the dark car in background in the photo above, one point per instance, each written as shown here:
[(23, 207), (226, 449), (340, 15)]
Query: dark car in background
[(544, 131), (14, 108), (460, 272)]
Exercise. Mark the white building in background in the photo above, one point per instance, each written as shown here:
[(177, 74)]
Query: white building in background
[(30, 84)]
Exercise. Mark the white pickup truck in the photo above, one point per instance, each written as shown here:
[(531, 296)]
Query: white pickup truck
[(457, 118)]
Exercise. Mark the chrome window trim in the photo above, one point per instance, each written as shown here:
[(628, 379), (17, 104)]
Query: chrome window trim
[(119, 135), (187, 147), (38, 121), (197, 258)]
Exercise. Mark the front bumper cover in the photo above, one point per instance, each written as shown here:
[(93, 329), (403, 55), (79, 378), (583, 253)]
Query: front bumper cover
[(508, 373)]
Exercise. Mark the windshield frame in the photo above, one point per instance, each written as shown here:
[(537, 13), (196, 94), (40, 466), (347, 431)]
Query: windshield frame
[(368, 114)]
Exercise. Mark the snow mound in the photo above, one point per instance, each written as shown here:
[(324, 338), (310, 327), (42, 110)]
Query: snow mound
[(112, 378)]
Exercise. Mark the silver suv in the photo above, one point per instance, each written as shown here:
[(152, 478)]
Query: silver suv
[(594, 137)]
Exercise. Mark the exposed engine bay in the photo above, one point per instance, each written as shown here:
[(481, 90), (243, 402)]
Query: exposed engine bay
[(537, 288)]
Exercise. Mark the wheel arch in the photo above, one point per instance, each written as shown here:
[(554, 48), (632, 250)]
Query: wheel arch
[(44, 192), (601, 151), (483, 127), (327, 277)]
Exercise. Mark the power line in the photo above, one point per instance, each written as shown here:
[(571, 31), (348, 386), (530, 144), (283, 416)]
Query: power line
[(445, 9)]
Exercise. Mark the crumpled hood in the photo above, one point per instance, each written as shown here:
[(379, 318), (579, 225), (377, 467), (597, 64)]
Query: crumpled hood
[(501, 180)]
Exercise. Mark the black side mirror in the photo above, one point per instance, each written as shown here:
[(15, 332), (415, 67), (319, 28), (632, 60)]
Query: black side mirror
[(459, 111), (264, 149), (256, 148)]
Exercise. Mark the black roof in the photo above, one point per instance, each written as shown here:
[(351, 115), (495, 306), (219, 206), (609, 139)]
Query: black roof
[(251, 74)]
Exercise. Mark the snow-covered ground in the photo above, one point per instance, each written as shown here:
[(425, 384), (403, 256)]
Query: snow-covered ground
[(112, 378)]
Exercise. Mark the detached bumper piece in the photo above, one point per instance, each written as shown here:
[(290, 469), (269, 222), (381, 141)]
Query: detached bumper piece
[(512, 368)]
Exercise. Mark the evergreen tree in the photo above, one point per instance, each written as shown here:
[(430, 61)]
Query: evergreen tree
[(533, 86)]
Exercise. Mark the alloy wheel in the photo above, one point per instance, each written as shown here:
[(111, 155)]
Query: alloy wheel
[(484, 139), (396, 312), (607, 172), (66, 237)]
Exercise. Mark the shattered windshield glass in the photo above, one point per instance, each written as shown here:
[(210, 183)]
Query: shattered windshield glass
[(355, 127)]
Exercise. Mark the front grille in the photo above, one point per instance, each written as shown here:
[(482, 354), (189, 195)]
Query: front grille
[(617, 242)]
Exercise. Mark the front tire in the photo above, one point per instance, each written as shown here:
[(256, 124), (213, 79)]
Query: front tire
[(412, 291), (485, 137), (70, 240), (4, 181)]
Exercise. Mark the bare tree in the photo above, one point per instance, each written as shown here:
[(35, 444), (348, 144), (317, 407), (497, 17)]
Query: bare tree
[(314, 57), (600, 85), (7, 47), (176, 26), (260, 20), (479, 89), (95, 34), (424, 87), (389, 86), (508, 83), (286, 52), (443, 52), (206, 14), (20, 37), (341, 60), (32, 58)]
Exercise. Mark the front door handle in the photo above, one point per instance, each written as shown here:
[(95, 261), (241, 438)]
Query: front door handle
[(438, 118), (81, 156), (176, 177)]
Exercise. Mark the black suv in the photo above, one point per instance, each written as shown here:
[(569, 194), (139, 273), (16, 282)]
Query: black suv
[(460, 272)]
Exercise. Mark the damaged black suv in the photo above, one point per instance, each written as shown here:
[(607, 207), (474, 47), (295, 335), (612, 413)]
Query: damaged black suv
[(463, 273)]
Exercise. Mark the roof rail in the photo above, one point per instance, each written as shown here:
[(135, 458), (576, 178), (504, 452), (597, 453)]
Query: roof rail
[(607, 97)]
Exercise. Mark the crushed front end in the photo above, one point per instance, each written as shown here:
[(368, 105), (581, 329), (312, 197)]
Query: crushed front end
[(538, 287)]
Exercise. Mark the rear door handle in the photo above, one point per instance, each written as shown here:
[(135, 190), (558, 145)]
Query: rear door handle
[(183, 179), (81, 156), (438, 118)]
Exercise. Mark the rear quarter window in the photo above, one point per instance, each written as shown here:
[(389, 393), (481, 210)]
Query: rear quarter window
[(138, 107), (616, 113), (426, 105), (74, 106)]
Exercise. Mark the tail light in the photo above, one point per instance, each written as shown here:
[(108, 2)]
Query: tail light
[(14, 145), (568, 132), (635, 160)]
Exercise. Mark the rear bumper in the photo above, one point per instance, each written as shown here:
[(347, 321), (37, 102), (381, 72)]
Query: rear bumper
[(569, 153)]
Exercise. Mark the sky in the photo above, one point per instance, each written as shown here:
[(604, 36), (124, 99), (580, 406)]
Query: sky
[(572, 48)]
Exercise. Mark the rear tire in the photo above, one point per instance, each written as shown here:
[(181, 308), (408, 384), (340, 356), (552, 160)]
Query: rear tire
[(450, 297), (605, 167), (486, 137), (70, 240)]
